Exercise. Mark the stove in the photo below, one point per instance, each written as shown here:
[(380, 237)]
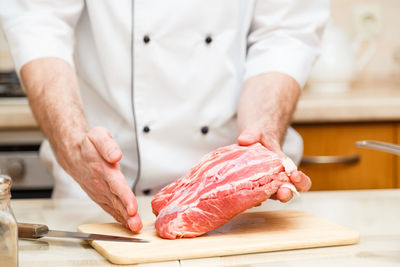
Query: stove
[(10, 86), (19, 148), (19, 158)]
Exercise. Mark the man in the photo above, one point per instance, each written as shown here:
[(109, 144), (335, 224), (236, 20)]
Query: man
[(164, 80)]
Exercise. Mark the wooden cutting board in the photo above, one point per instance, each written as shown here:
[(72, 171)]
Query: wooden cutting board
[(247, 233)]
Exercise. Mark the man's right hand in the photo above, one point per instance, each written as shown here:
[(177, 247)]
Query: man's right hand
[(90, 157), (94, 165)]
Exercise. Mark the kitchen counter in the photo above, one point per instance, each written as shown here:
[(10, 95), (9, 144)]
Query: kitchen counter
[(374, 213), (357, 104), (16, 113)]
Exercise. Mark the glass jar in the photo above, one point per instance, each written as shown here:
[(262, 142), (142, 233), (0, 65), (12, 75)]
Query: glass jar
[(8, 226)]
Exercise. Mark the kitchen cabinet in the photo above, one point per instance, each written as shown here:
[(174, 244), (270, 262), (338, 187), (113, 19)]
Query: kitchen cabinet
[(351, 167)]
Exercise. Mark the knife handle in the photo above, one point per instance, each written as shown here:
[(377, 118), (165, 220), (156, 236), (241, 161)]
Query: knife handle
[(31, 230)]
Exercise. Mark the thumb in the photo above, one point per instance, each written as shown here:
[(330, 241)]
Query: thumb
[(105, 144), (249, 136), (272, 144)]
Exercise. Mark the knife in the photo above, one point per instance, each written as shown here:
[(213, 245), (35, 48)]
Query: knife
[(30, 230)]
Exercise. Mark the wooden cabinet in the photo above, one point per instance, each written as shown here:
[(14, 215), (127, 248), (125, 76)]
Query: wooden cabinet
[(397, 180), (365, 169)]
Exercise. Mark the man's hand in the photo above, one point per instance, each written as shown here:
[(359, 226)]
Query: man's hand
[(90, 157), (94, 165), (253, 135), (266, 105)]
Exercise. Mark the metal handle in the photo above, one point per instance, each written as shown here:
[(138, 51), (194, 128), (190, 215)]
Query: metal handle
[(330, 159), (32, 230), (381, 146)]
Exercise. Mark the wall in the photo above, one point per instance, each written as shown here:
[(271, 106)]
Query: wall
[(384, 66)]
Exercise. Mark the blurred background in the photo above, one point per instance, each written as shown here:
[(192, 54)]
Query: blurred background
[(353, 94), (380, 20)]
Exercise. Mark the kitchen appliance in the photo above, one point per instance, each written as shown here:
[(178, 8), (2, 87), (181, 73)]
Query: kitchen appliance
[(10, 86), (31, 230), (19, 147), (341, 59), (19, 158), (249, 232)]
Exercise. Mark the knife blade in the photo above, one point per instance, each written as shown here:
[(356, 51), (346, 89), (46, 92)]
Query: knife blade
[(32, 230)]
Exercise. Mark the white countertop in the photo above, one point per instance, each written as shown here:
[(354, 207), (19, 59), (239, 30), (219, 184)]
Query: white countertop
[(16, 113), (355, 105), (374, 213), (358, 104)]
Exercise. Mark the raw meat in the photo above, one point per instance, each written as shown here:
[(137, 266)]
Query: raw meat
[(223, 184)]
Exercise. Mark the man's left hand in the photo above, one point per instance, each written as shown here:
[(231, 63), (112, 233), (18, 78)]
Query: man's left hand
[(253, 135)]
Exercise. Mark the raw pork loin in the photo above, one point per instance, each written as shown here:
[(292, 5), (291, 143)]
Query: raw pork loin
[(223, 184)]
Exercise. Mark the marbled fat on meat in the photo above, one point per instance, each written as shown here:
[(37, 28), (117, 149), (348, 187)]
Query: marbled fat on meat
[(221, 185)]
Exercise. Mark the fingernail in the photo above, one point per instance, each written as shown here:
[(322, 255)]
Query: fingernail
[(252, 136), (113, 154), (246, 134), (246, 138), (296, 178), (135, 224)]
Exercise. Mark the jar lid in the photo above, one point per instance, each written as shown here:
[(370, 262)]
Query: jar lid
[(5, 184)]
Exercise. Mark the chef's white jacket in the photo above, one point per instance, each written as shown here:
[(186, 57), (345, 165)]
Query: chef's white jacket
[(167, 87)]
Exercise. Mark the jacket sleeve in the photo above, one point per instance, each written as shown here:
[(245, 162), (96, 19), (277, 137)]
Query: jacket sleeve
[(285, 37), (36, 29)]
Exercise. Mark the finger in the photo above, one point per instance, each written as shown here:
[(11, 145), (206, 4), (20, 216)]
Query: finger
[(120, 188), (249, 136), (284, 194), (105, 144), (301, 181), (109, 205), (118, 207), (272, 144), (132, 222), (135, 223), (114, 214), (274, 197)]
